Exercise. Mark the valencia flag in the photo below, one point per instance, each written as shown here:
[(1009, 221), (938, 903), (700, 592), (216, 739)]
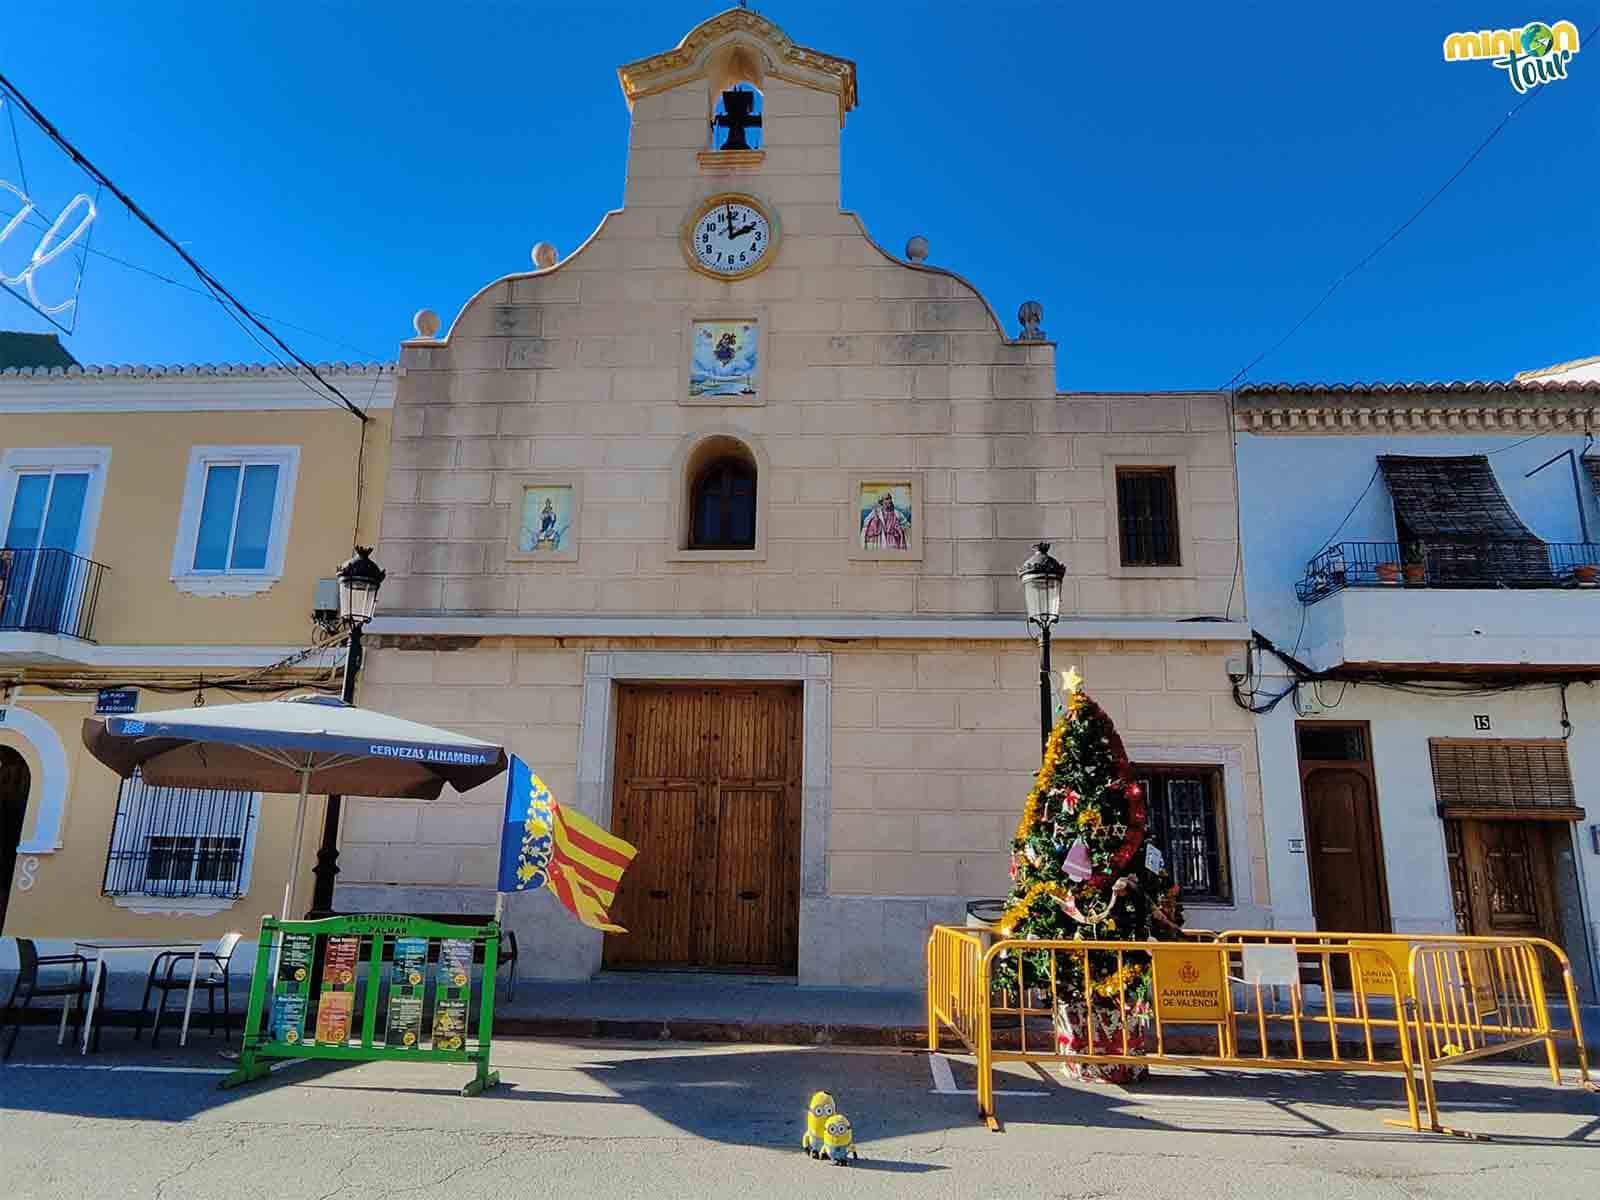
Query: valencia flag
[(545, 845)]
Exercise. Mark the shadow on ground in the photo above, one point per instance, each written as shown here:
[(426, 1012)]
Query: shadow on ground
[(750, 1095)]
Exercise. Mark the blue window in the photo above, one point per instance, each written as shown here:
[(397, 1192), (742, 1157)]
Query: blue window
[(236, 517)]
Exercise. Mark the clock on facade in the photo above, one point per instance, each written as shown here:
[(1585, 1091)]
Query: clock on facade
[(730, 236)]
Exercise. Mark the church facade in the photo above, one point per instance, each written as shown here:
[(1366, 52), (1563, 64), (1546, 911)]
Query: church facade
[(716, 522)]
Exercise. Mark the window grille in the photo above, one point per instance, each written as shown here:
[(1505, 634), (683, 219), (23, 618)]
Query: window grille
[(180, 842), (1184, 807), (1147, 516)]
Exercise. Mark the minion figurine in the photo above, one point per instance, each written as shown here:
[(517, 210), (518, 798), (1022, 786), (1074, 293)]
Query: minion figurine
[(817, 1113), (837, 1140)]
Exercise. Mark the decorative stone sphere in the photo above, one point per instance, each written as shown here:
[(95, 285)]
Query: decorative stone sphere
[(1029, 316), (917, 248), (544, 255), (426, 322)]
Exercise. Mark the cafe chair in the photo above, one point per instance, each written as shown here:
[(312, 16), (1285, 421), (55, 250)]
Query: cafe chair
[(508, 961), (29, 987), (170, 973)]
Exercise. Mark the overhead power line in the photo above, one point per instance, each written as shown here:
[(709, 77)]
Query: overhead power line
[(229, 302), (1245, 370), (39, 223)]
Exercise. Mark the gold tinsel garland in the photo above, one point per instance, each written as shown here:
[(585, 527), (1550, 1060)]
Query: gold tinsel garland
[(1041, 781)]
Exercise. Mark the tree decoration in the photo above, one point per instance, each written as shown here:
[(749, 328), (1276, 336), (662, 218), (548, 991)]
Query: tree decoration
[(1085, 870), (1076, 864)]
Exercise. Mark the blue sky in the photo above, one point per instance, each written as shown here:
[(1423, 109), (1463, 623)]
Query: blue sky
[(1176, 192)]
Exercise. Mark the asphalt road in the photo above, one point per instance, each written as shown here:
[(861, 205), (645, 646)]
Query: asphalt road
[(666, 1119)]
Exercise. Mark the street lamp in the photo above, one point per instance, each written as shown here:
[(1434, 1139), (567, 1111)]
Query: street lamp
[(1041, 577), (359, 580)]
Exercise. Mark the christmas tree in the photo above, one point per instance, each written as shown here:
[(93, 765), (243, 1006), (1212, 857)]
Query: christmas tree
[(1083, 868)]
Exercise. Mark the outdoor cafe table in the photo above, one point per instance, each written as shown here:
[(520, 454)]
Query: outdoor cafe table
[(102, 949)]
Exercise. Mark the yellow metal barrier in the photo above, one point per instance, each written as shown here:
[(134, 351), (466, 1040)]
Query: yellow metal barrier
[(1373, 1003), (955, 980), (1466, 997)]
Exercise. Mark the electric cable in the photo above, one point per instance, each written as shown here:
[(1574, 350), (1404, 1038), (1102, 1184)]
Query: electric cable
[(211, 281), (1245, 370)]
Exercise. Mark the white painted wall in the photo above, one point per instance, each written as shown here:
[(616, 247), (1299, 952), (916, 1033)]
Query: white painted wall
[(1293, 493)]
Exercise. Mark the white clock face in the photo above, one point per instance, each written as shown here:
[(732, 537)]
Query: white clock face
[(731, 238)]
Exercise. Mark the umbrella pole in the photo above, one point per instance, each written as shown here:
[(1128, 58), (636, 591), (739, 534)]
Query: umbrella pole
[(294, 853)]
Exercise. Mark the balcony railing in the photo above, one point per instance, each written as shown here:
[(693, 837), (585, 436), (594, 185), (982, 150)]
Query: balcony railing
[(1455, 564), (48, 591)]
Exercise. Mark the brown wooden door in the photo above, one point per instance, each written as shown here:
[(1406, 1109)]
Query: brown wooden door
[(14, 786), (708, 788), (1345, 853), (1506, 870), (1510, 887)]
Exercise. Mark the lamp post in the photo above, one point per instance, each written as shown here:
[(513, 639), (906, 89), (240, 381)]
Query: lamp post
[(1041, 577), (359, 580)]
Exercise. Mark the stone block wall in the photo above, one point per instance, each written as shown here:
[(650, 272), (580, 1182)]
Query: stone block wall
[(928, 752), (871, 365)]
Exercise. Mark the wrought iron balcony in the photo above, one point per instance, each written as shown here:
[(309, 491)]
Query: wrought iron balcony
[(1463, 563), (48, 591)]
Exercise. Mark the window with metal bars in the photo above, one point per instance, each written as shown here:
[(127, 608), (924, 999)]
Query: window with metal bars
[(180, 842), (1147, 516), (1186, 820)]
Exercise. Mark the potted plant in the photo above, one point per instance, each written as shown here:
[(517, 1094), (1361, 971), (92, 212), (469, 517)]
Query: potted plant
[(1336, 566), (1388, 573), (1416, 566)]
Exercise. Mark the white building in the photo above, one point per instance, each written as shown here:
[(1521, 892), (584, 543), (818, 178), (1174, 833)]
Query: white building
[(1432, 763)]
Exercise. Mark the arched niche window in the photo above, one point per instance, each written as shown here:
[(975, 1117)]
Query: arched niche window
[(718, 505), (736, 71), (722, 509)]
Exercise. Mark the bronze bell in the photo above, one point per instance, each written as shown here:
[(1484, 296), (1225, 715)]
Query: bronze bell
[(736, 117)]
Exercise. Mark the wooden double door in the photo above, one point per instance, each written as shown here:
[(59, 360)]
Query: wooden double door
[(707, 786), (1502, 877)]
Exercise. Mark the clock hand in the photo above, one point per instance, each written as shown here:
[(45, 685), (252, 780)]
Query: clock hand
[(742, 230)]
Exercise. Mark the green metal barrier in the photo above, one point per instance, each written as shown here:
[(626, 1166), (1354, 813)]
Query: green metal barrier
[(343, 1024)]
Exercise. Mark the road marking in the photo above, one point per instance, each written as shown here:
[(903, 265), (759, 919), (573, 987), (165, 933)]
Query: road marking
[(944, 1081)]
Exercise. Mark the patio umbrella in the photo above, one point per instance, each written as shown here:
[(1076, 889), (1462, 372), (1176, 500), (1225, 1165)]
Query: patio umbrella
[(297, 744)]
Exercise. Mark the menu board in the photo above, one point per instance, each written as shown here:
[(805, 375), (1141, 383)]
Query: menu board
[(450, 994), (405, 1021), (339, 961), (288, 1017), (410, 962), (449, 1024), (455, 962), (410, 972), (294, 957), (333, 1016), (337, 1003)]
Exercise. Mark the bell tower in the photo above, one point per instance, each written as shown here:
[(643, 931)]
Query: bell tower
[(736, 103)]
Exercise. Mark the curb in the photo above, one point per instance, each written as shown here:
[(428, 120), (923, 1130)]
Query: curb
[(692, 1029), (632, 1029), (697, 1029)]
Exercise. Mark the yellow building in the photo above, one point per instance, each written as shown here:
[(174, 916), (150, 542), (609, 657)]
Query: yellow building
[(164, 533)]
